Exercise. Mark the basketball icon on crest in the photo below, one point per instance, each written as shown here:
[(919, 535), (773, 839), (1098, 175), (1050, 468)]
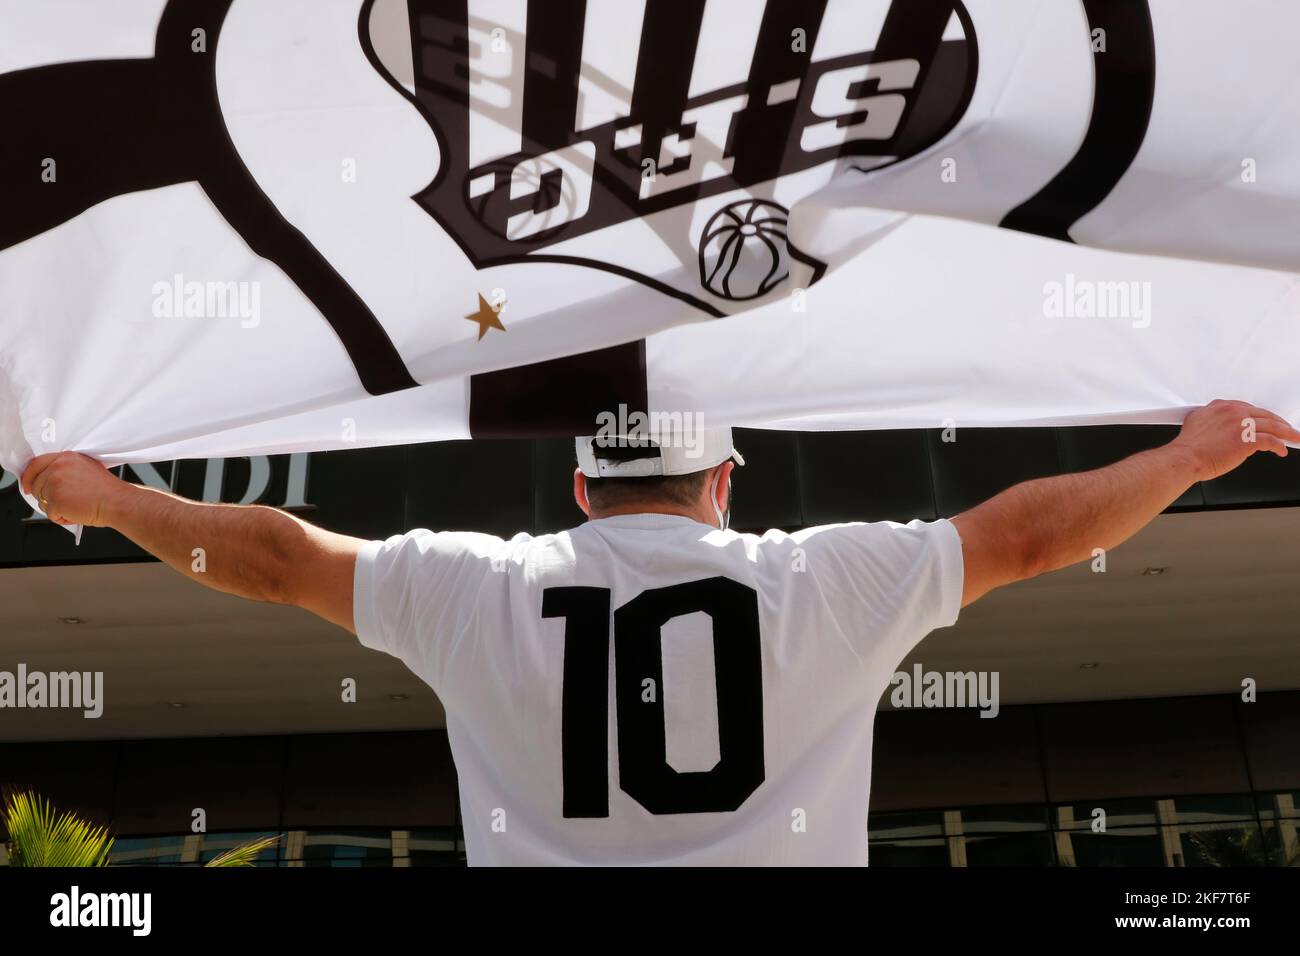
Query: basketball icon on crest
[(743, 251)]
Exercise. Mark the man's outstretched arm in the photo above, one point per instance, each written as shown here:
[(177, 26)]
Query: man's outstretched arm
[(1042, 525), (251, 551)]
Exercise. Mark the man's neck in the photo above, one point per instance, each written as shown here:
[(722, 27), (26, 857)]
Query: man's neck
[(698, 513)]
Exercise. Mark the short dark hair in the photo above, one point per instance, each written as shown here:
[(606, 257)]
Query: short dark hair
[(681, 490)]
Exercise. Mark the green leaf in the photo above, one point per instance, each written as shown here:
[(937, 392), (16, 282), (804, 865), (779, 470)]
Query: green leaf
[(37, 837), (244, 854)]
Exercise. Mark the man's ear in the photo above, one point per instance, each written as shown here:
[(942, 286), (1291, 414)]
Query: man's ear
[(580, 491), (724, 484)]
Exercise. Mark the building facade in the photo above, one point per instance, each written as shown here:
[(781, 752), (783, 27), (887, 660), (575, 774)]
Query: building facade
[(1148, 713)]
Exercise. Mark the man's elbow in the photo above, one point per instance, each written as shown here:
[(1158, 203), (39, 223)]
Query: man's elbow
[(280, 571), (1035, 554), (998, 552)]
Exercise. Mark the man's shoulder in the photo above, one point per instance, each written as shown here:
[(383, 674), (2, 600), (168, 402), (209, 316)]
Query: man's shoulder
[(865, 529), (421, 546), (425, 539)]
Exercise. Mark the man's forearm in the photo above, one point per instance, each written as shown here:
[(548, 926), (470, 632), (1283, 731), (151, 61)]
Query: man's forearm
[(249, 550), (1063, 520), (1071, 515), (239, 549), (1049, 523)]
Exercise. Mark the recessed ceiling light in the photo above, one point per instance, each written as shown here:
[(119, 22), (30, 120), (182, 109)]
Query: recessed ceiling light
[(397, 697), (176, 704), (1090, 666), (1154, 570), (72, 620)]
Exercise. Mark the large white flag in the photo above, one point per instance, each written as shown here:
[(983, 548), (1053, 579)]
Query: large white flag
[(231, 225), (920, 333)]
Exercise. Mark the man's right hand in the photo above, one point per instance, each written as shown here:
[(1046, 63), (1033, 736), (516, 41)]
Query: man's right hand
[(72, 488), (1223, 434)]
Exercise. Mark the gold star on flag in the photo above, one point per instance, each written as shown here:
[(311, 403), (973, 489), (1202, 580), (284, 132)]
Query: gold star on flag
[(486, 317)]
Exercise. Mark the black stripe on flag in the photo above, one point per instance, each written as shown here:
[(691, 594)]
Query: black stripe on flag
[(251, 213), (766, 135), (1125, 86), (913, 31), (554, 60), (122, 126), (558, 398), (663, 72)]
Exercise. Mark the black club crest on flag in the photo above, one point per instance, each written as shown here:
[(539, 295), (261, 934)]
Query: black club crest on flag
[(743, 251), (530, 170)]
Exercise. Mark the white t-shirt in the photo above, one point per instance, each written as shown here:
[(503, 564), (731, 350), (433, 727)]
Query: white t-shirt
[(646, 689)]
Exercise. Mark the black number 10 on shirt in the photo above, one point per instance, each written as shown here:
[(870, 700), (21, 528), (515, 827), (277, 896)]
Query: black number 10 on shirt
[(644, 772)]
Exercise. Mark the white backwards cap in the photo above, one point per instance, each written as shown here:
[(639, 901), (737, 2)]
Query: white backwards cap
[(648, 453)]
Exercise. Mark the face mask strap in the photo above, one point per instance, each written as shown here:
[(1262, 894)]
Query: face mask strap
[(724, 518)]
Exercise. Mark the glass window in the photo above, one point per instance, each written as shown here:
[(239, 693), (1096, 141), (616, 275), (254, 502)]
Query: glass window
[(1012, 819), (440, 846), (1119, 813), (1008, 849), (1214, 809), (1282, 842), (1121, 846), (1223, 844), (348, 848), (147, 851), (1285, 803), (932, 852), (907, 824), (1198, 830)]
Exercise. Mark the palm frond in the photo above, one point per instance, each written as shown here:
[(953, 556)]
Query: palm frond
[(37, 837), (244, 854)]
